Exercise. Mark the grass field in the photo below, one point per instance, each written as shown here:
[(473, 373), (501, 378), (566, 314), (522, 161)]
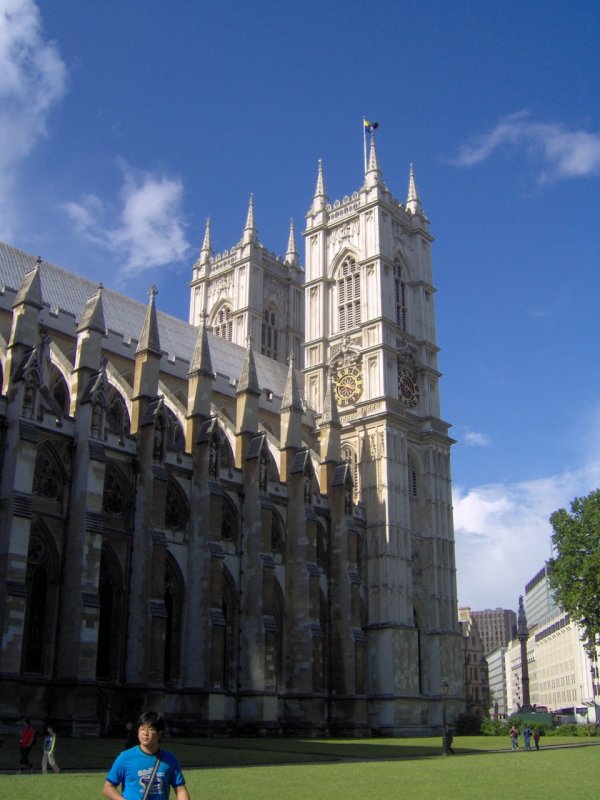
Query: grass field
[(293, 769)]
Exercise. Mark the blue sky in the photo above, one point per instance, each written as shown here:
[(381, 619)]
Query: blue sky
[(124, 125)]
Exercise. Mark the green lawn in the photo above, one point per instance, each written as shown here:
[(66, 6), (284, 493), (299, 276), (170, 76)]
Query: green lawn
[(376, 768)]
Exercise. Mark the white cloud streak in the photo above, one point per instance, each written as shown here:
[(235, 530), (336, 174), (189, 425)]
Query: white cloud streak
[(33, 78), (474, 439), (147, 232), (558, 152), (503, 533)]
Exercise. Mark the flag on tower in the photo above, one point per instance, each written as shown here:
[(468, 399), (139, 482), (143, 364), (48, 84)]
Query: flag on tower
[(370, 126)]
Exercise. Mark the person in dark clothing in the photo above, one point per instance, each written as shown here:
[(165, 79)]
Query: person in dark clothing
[(26, 740)]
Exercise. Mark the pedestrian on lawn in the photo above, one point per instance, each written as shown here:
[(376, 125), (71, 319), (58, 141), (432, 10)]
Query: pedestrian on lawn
[(48, 756), (145, 772)]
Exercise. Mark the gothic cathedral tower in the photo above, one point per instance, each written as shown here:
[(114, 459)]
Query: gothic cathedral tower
[(249, 291), (370, 330)]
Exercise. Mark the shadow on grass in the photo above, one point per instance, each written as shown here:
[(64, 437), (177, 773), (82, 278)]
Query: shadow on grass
[(98, 754)]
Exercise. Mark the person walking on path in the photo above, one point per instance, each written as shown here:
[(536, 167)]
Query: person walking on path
[(536, 738), (527, 737), (26, 740), (48, 755), (514, 738), (145, 772)]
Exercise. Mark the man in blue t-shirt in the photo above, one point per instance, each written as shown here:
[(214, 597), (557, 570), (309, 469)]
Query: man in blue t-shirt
[(133, 769)]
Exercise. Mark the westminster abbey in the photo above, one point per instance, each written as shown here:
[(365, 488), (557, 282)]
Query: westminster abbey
[(243, 520)]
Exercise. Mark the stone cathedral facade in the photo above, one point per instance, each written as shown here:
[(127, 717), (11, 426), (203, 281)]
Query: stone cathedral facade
[(243, 520)]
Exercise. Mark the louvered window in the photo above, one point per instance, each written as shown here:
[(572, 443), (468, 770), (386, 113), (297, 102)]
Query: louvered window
[(269, 335), (348, 286), (223, 325), (400, 289)]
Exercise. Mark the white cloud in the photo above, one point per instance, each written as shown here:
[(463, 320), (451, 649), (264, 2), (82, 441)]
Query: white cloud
[(558, 152), (503, 533), (148, 231), (474, 439), (33, 79)]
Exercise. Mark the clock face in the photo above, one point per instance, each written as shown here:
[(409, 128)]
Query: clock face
[(408, 391), (348, 385)]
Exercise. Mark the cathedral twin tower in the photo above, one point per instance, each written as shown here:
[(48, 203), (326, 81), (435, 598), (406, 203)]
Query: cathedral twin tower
[(245, 520)]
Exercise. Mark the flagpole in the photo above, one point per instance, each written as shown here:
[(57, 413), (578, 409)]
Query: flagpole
[(365, 142)]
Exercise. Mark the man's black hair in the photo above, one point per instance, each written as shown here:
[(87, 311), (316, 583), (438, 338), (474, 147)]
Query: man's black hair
[(152, 719)]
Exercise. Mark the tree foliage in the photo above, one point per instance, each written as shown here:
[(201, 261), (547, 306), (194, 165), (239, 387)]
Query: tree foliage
[(575, 571)]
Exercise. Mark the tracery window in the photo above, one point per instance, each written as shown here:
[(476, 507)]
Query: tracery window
[(176, 513), (113, 500), (59, 390), (174, 431), (269, 334), (37, 592), (173, 599), (348, 288), (277, 536), (400, 297), (223, 323), (111, 621), (117, 416), (48, 479), (229, 522)]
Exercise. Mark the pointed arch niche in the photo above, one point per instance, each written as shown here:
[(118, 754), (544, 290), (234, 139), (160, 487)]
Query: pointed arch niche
[(41, 602), (111, 623), (174, 599)]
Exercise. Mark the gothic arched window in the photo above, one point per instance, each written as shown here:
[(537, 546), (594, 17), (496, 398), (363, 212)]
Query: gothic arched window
[(41, 598), (348, 289), (59, 390), (174, 599), (277, 536), (48, 479), (174, 432), (117, 416), (114, 499), (111, 633), (229, 522), (223, 323), (176, 509), (229, 608), (269, 334), (400, 297)]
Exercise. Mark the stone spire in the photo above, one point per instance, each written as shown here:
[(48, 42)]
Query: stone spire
[(206, 251), (330, 436), (250, 232), (320, 197), (92, 317), (248, 381), (26, 309), (291, 419), (292, 398), (90, 333), (200, 379), (291, 256), (149, 338), (330, 414), (373, 175), (30, 291), (201, 361), (247, 405), (413, 201), (147, 365)]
